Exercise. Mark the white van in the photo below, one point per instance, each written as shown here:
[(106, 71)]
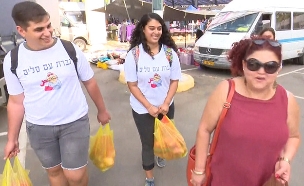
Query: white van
[(243, 18), (73, 23)]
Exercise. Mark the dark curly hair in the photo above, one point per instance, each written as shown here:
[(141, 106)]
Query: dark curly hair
[(138, 36), (242, 49)]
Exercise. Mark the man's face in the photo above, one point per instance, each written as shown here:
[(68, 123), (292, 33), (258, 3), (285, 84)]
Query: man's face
[(38, 35)]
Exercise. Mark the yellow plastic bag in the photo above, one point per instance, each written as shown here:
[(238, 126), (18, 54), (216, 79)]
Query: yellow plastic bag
[(102, 65), (169, 144), (102, 151), (21, 174), (8, 177)]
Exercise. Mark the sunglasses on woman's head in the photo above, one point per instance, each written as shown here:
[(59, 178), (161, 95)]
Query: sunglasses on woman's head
[(269, 67), (262, 41)]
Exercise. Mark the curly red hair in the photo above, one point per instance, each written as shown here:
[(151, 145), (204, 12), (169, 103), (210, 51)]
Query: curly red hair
[(240, 50)]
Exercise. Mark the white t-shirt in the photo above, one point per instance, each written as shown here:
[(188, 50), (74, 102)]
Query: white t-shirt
[(48, 79), (153, 76)]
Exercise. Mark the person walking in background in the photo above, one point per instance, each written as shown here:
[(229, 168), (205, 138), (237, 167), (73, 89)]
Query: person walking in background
[(51, 98), (260, 133), (152, 72), (203, 25), (268, 33), (123, 31), (198, 34)]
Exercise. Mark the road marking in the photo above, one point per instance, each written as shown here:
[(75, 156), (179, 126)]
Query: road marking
[(280, 75), (299, 73), (3, 133), (299, 97), (189, 69)]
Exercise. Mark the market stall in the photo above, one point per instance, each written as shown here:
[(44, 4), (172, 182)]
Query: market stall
[(135, 9)]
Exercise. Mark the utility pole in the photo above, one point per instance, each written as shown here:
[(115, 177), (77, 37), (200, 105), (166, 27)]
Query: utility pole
[(158, 7)]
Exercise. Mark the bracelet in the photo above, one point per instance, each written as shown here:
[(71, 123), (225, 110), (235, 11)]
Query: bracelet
[(284, 159), (198, 172)]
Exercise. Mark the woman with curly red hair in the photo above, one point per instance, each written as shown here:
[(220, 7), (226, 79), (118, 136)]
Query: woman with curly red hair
[(260, 133)]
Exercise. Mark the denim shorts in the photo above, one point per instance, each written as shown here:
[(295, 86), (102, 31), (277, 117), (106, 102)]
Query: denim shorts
[(65, 144)]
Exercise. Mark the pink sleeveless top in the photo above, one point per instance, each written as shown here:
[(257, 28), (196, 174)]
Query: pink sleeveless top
[(253, 134)]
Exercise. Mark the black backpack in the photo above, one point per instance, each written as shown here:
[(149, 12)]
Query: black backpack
[(68, 46)]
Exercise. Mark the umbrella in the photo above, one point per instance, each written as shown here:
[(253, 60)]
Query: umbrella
[(191, 8), (135, 9)]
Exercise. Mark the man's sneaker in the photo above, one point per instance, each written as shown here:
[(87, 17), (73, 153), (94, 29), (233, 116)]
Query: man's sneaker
[(149, 182), (160, 162)]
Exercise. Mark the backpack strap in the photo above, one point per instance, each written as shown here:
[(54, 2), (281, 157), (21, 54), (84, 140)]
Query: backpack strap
[(70, 49), (135, 52), (14, 60), (169, 55), (168, 52), (68, 46)]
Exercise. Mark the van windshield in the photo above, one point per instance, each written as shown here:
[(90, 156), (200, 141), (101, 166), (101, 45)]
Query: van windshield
[(77, 17), (233, 22)]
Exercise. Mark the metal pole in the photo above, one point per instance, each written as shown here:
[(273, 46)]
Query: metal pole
[(185, 33), (158, 7), (127, 10)]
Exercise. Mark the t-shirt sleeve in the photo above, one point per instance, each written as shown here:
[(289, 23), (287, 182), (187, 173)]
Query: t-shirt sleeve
[(84, 69), (130, 68), (176, 73), (13, 84)]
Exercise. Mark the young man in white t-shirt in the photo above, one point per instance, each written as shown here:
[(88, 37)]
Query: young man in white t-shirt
[(47, 90)]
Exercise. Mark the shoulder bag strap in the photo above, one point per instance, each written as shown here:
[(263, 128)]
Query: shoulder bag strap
[(226, 106)]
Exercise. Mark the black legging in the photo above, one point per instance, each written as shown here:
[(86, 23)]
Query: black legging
[(145, 127)]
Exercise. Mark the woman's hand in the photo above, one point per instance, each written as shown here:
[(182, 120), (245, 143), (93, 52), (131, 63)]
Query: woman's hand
[(153, 111), (282, 171), (164, 108), (197, 180)]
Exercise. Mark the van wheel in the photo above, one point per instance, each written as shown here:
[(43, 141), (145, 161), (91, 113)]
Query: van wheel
[(80, 43)]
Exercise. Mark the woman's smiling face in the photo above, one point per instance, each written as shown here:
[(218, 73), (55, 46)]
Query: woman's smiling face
[(153, 31)]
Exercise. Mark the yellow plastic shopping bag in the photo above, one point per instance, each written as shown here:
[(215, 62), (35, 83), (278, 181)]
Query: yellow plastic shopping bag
[(21, 174), (102, 65), (8, 177), (102, 151), (169, 144)]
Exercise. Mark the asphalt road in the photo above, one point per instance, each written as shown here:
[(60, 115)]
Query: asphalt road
[(189, 106)]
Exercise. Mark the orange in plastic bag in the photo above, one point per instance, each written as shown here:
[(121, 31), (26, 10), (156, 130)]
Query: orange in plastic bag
[(16, 175), (102, 151), (8, 177), (168, 142), (21, 173)]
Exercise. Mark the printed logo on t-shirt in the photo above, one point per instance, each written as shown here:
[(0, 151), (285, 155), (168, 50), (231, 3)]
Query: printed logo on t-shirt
[(156, 81), (51, 82)]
